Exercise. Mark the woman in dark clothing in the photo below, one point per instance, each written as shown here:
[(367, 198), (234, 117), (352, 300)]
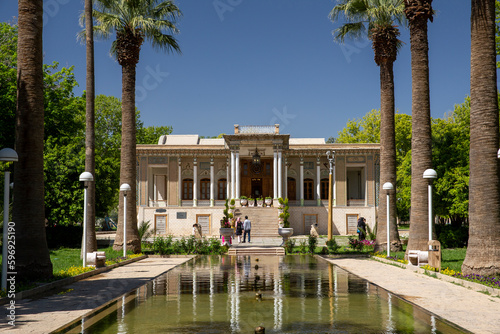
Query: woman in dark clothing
[(239, 229), (361, 228)]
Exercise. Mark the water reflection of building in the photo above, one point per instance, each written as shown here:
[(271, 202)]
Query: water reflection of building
[(185, 178), (298, 294)]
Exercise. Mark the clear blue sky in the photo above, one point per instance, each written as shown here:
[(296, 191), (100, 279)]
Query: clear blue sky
[(258, 62)]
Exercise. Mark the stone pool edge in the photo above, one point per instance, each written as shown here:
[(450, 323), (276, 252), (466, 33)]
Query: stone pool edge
[(69, 280)]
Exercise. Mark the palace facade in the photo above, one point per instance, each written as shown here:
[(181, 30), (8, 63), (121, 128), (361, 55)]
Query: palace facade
[(186, 179)]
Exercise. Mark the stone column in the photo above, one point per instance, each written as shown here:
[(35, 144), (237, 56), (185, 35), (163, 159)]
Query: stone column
[(280, 175), (228, 179), (334, 187), (195, 182), (285, 179), (179, 183), (232, 175), (212, 182), (301, 185), (275, 175), (318, 182), (237, 172)]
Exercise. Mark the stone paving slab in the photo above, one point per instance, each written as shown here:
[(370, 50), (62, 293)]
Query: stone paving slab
[(472, 310), (47, 314)]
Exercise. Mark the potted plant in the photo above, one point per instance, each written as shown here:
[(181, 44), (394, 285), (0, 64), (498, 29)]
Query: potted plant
[(260, 201), (251, 202), (243, 201), (286, 231), (269, 201), (232, 207), (225, 224)]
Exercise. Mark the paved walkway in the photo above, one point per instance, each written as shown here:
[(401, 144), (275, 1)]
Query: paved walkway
[(47, 314), (472, 310)]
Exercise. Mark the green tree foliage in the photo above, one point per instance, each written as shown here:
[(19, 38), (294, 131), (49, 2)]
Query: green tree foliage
[(450, 152)]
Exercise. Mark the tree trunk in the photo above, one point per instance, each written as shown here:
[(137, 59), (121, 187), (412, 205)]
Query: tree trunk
[(421, 149), (128, 162), (90, 129), (32, 253), (387, 160), (483, 251)]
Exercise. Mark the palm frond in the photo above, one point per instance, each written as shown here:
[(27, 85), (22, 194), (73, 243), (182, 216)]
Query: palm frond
[(350, 30)]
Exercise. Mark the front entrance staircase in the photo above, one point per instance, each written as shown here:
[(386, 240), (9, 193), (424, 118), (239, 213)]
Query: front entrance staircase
[(264, 220)]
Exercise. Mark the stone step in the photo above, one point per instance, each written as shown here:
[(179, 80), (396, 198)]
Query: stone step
[(264, 220), (256, 251)]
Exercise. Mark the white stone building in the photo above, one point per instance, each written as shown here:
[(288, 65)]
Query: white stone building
[(186, 179)]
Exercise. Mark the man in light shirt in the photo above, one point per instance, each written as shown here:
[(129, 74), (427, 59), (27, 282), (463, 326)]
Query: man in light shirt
[(247, 226)]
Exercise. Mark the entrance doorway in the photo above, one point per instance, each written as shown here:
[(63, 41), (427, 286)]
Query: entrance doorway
[(256, 191)]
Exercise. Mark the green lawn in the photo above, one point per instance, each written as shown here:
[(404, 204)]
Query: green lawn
[(65, 258), (450, 257)]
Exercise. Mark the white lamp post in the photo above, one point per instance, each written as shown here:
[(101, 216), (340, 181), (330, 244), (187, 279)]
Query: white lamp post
[(430, 174), (125, 187), (388, 186), (330, 192), (6, 154), (85, 177)]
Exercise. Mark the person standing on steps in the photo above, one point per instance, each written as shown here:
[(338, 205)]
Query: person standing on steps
[(239, 229), (247, 226)]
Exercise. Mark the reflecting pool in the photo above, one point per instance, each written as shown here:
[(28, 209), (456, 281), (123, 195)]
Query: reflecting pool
[(287, 294)]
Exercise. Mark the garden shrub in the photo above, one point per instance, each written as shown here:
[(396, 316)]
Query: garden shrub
[(312, 242), (302, 247), (452, 236), (189, 245), (289, 244), (355, 244), (64, 236), (332, 245)]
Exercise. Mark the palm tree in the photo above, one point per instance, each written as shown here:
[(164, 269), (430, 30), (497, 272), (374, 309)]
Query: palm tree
[(133, 21), (418, 12), (483, 251), (90, 128), (376, 18), (32, 253)]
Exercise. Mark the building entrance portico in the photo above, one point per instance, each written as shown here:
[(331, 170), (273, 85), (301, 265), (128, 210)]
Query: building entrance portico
[(256, 180)]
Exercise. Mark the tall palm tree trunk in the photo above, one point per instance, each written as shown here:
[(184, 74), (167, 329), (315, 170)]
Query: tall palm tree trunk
[(91, 243), (32, 253), (421, 149), (483, 251), (128, 161), (387, 160)]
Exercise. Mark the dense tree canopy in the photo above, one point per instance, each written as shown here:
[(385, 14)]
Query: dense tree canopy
[(64, 147), (450, 147)]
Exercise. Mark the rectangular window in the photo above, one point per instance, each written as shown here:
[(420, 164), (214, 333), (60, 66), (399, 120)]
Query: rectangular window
[(268, 168), (308, 189)]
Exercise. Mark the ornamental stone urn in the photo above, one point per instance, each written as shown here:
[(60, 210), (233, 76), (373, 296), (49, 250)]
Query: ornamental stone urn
[(285, 232), (268, 201), (227, 233)]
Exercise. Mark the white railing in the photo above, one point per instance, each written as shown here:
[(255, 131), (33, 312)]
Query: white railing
[(259, 129)]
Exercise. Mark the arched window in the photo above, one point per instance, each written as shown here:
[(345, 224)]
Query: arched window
[(187, 189), (324, 188), (221, 189), (205, 189), (308, 189)]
